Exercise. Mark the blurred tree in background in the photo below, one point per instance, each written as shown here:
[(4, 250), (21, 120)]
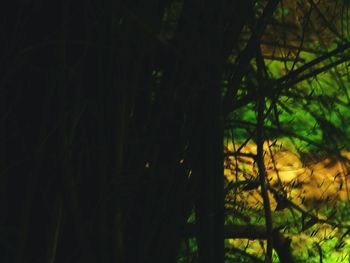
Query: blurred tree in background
[(119, 120)]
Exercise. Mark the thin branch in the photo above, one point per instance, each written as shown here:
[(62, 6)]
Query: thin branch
[(293, 74), (262, 75), (314, 73)]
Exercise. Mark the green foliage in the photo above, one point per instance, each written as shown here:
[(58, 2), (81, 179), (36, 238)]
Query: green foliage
[(308, 112), (188, 251)]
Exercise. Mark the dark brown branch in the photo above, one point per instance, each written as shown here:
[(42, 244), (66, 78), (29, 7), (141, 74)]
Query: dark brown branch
[(293, 74), (260, 155), (314, 73)]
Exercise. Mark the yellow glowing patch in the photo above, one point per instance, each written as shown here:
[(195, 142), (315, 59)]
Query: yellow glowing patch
[(310, 186)]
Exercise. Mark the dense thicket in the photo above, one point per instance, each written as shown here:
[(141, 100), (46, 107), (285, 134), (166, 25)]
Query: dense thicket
[(114, 114)]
